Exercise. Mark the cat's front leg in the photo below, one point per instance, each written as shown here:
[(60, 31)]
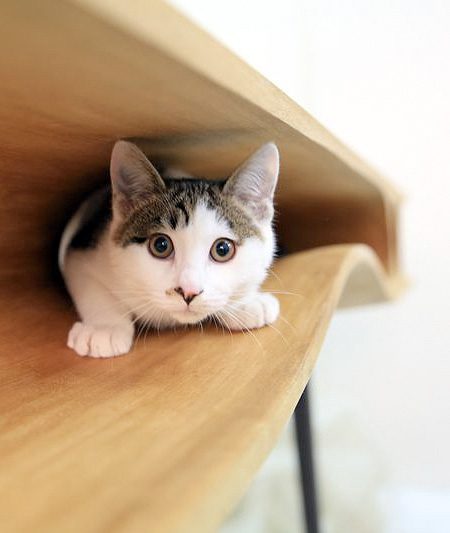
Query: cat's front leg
[(254, 311), (106, 328), (100, 340)]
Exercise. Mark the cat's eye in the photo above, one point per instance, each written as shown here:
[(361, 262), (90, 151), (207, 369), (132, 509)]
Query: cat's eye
[(160, 245), (222, 250)]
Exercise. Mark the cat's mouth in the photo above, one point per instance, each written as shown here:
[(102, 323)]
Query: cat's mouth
[(189, 315)]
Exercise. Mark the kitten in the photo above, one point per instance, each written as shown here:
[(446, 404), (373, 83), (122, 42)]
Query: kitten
[(164, 251)]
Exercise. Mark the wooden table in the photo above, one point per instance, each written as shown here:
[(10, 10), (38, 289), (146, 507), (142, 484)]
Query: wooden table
[(169, 437)]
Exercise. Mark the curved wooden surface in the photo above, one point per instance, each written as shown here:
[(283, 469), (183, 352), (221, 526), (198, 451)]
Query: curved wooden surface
[(80, 74), (168, 437)]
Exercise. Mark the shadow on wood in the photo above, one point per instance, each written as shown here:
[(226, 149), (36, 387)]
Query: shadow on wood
[(171, 434)]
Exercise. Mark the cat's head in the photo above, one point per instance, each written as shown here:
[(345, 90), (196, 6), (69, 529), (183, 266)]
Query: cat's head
[(185, 249)]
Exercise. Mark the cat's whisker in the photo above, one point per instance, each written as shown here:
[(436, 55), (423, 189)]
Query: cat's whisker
[(149, 320), (241, 324), (224, 325), (284, 293), (229, 330), (275, 275), (136, 338), (158, 326), (143, 325), (147, 306), (212, 319), (271, 326), (268, 291), (286, 321), (244, 327), (144, 330), (218, 322)]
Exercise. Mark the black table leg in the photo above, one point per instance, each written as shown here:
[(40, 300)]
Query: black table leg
[(304, 446)]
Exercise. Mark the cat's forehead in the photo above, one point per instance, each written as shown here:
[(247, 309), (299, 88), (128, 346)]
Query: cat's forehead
[(182, 205), (205, 225)]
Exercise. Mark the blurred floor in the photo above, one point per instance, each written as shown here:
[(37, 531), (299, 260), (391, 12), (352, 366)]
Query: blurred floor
[(273, 503)]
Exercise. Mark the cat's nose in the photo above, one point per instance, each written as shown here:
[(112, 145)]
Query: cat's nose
[(187, 296)]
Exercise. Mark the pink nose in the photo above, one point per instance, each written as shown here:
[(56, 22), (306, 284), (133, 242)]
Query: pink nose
[(187, 296)]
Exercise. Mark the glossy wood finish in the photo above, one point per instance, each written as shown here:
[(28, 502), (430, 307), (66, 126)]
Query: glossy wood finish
[(78, 75), (168, 437)]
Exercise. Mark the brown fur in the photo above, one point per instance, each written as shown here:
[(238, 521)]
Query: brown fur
[(173, 207)]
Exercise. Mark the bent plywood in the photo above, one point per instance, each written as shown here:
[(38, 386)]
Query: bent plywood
[(169, 436), (76, 76)]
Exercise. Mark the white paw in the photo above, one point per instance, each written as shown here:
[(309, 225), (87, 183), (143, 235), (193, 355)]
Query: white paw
[(256, 312), (100, 341)]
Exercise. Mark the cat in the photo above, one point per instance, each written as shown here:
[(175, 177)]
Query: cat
[(164, 251)]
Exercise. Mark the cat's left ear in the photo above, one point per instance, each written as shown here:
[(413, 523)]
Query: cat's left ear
[(253, 183), (133, 178)]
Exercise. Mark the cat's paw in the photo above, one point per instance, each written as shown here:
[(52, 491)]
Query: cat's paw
[(258, 311), (95, 341)]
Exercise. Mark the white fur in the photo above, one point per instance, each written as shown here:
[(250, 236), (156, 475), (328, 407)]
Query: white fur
[(114, 286), (110, 284)]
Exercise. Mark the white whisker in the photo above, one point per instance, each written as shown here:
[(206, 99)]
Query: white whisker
[(241, 324), (252, 315)]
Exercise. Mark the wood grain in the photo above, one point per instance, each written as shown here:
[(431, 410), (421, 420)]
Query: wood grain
[(168, 437), (76, 76)]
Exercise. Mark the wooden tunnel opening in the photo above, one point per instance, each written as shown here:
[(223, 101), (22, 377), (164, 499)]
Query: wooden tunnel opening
[(36, 204), (84, 74)]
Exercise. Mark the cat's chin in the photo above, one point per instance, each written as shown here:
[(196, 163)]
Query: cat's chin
[(188, 316)]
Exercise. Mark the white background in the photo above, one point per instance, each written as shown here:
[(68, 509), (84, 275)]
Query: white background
[(377, 74)]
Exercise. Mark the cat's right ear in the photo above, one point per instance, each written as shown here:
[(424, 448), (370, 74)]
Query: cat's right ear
[(133, 178), (253, 183)]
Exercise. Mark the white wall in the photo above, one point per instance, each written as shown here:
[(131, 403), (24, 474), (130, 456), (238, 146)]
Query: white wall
[(378, 75), (380, 78)]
